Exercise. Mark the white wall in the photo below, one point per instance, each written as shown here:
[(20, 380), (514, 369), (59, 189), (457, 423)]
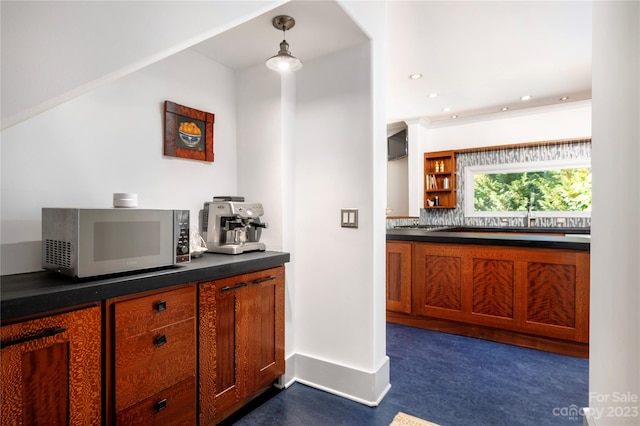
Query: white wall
[(260, 146), (614, 363), (417, 138), (334, 265), (371, 18), (331, 174), (111, 140), (266, 149), (58, 50), (566, 121), (321, 144), (398, 186)]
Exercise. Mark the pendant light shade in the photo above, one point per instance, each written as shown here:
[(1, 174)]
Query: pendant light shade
[(284, 60)]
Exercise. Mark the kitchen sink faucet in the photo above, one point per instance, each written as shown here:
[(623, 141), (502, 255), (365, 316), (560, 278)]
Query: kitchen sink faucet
[(531, 219)]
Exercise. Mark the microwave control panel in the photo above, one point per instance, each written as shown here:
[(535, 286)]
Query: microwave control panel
[(181, 228)]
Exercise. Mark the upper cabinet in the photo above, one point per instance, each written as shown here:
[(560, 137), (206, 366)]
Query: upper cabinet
[(440, 180)]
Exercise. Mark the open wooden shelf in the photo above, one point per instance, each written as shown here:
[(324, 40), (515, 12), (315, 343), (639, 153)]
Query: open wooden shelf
[(440, 180)]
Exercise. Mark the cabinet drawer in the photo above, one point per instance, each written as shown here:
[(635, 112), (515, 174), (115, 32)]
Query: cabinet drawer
[(173, 406), (150, 362), (137, 316)]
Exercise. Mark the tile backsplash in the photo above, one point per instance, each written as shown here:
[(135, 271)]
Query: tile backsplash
[(392, 222), (551, 151)]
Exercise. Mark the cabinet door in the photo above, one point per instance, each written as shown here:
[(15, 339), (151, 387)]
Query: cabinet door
[(399, 276), (266, 337), (556, 290), (51, 370), (223, 337), (541, 292), (438, 283)]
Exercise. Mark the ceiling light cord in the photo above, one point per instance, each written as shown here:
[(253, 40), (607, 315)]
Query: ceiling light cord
[(284, 60)]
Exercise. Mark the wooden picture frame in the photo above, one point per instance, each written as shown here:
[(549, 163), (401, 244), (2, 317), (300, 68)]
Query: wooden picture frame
[(188, 132)]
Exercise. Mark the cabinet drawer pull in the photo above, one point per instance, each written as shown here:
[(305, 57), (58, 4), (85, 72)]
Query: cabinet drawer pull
[(161, 405), (161, 340), (47, 332), (161, 306), (264, 280), (233, 287)]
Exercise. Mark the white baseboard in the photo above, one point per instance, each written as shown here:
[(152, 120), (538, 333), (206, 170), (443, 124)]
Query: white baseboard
[(289, 376), (588, 419), (365, 387)]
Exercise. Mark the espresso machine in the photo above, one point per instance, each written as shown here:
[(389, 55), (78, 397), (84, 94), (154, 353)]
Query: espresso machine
[(232, 226)]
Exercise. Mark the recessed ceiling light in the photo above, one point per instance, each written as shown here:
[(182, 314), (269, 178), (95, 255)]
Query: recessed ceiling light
[(504, 108), (454, 116), (433, 95), (564, 98), (446, 109), (525, 98), (415, 76)]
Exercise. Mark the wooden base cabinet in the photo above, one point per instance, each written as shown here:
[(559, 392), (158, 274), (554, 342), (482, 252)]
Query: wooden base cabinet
[(541, 292), (152, 358), (532, 297), (399, 276), (241, 349), (51, 370)]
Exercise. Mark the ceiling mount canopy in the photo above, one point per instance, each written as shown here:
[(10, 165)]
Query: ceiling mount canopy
[(284, 60)]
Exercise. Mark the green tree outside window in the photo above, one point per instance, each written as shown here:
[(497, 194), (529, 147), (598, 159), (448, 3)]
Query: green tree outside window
[(562, 190)]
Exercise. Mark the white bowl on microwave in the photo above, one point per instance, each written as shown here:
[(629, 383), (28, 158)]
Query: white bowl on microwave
[(125, 199)]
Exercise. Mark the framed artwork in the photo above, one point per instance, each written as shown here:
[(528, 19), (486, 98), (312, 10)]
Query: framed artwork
[(188, 132)]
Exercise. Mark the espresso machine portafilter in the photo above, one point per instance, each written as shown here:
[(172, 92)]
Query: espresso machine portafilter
[(233, 226)]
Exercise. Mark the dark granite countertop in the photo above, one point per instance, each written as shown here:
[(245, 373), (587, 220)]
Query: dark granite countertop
[(38, 292), (569, 238)]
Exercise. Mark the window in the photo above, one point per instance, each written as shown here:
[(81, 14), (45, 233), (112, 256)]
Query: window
[(553, 188)]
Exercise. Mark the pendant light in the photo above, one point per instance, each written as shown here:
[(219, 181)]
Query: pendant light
[(284, 60)]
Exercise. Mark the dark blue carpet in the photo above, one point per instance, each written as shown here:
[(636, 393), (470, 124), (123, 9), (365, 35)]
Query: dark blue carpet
[(449, 380)]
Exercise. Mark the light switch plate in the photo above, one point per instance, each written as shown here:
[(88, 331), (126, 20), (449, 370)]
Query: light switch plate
[(349, 218)]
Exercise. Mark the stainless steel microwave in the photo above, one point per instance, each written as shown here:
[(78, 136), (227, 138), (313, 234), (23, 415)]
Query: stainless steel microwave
[(90, 242)]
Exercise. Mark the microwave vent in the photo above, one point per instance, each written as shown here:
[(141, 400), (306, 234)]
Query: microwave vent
[(58, 253)]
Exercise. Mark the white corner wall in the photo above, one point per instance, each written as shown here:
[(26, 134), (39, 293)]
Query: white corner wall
[(371, 17), (260, 146), (111, 140), (335, 301), (309, 144), (265, 119), (614, 358)]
